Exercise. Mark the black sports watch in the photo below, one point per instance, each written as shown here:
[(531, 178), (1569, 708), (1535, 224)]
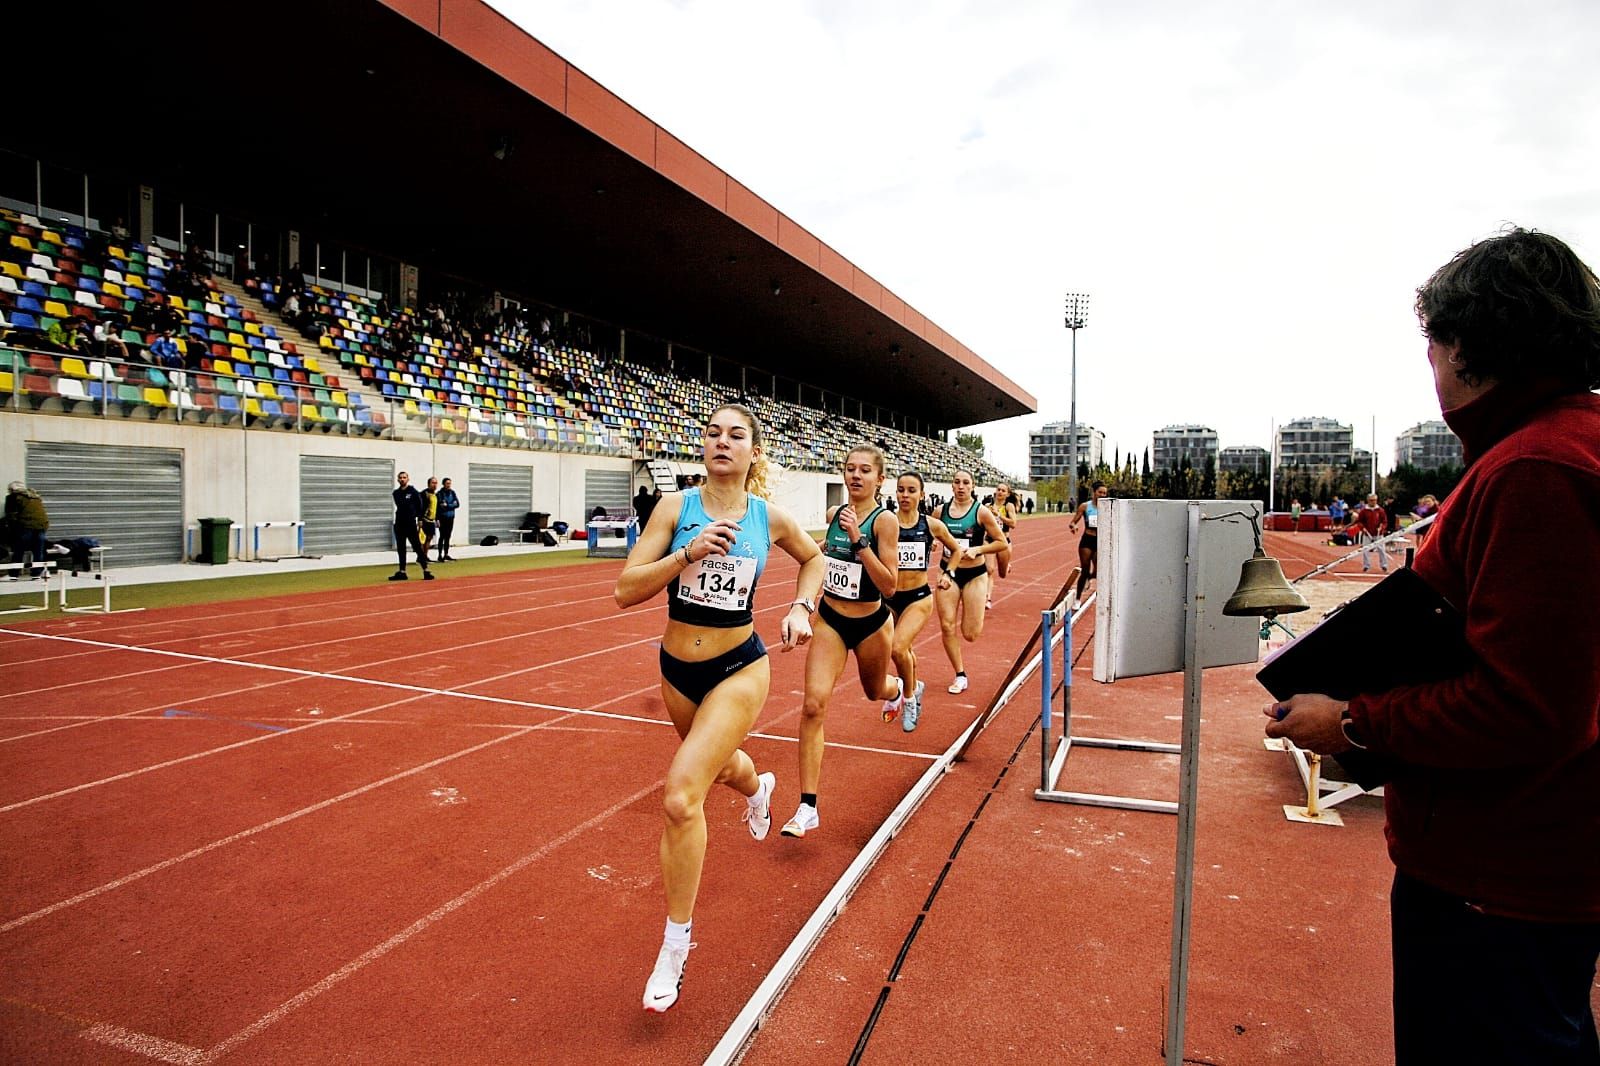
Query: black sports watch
[(860, 544)]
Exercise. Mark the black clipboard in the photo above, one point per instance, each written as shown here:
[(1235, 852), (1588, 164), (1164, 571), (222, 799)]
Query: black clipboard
[(1399, 632)]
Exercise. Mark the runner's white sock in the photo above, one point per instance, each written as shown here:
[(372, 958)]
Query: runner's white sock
[(677, 936)]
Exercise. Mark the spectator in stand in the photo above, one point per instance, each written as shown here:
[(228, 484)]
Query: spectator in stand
[(27, 520), (1492, 814), (407, 524), (448, 503), (1372, 524), (108, 341), (196, 262), (1028, 506), (291, 308), (163, 351)]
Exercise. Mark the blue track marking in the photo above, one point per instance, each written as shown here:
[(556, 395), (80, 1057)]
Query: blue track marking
[(173, 712)]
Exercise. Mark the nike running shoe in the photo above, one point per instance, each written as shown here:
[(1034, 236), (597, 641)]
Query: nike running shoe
[(661, 991), (758, 808), (908, 721), (804, 821), (892, 707)]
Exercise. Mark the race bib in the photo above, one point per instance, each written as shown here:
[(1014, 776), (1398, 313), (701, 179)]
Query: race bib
[(721, 582), (843, 578), (1093, 520), (913, 555)]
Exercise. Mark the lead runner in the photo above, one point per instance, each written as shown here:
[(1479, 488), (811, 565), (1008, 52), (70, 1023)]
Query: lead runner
[(707, 547)]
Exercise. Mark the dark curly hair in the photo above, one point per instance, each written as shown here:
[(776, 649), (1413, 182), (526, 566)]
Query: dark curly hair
[(1521, 305)]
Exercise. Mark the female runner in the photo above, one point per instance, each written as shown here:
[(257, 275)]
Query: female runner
[(912, 602), (1089, 544), (707, 547), (859, 550), (1005, 512), (969, 588)]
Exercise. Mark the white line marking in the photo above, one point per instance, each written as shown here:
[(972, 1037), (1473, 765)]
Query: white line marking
[(350, 968), (151, 1047), (243, 834)]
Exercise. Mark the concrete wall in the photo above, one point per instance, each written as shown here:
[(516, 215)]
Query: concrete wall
[(254, 475)]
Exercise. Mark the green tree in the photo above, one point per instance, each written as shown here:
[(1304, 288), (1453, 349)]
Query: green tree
[(971, 442)]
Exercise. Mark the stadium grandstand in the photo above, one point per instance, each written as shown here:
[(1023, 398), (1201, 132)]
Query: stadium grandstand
[(472, 246)]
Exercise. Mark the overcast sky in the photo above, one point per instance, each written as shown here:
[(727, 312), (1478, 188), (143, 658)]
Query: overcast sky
[(1250, 190)]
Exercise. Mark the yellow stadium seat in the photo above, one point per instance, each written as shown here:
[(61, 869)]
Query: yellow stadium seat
[(111, 288), (8, 267), (156, 397), (222, 366), (252, 406), (117, 253), (56, 309), (237, 340), (75, 368), (21, 242)]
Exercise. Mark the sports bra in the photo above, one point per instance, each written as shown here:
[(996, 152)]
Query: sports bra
[(915, 544), (966, 527), (846, 576), (719, 590)]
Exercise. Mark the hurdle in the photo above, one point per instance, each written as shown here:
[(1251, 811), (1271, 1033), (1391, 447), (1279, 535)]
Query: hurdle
[(98, 573), (1053, 764), (48, 566), (296, 525)]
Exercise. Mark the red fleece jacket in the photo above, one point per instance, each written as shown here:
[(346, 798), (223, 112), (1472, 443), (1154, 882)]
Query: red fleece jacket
[(1500, 800)]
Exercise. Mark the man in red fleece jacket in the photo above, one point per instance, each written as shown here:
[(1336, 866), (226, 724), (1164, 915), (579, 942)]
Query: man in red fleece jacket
[(1493, 819)]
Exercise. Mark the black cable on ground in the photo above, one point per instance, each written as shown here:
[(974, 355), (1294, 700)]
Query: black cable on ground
[(922, 917)]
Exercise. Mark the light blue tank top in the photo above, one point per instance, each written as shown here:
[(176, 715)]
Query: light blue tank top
[(719, 591)]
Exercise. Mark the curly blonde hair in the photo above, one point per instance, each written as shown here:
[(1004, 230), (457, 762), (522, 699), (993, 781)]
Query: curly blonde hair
[(757, 480)]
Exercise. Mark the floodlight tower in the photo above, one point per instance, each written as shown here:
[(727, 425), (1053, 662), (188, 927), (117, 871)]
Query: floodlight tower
[(1077, 316)]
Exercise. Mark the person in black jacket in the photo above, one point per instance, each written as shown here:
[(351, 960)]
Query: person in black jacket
[(407, 524), (449, 501)]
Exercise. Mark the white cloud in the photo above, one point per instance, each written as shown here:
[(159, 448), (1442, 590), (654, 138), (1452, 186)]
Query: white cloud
[(1250, 190)]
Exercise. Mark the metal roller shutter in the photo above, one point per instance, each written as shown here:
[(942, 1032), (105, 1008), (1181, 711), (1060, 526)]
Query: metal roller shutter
[(347, 504), (497, 498), (130, 499), (608, 489)]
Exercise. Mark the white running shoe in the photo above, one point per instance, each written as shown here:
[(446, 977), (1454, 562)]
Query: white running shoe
[(892, 707), (908, 722), (758, 808), (661, 991), (804, 821), (958, 686)]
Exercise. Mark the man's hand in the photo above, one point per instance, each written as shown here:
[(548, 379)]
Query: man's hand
[(1309, 721)]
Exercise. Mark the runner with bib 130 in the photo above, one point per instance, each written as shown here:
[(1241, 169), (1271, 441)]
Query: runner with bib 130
[(859, 552), (707, 547), (971, 521), (912, 602)]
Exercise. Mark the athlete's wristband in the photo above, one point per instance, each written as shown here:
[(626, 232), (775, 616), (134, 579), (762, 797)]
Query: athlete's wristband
[(807, 604), (688, 557)]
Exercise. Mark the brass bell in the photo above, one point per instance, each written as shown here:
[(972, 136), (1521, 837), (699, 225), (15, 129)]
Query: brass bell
[(1263, 591)]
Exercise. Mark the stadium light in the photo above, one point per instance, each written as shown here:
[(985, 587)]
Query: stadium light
[(1077, 317)]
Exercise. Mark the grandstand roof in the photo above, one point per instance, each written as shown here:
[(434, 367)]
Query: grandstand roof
[(363, 115)]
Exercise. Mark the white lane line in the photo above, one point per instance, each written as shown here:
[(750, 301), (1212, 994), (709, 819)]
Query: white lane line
[(151, 1047), (421, 925), (243, 834)]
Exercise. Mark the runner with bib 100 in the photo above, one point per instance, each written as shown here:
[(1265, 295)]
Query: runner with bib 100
[(707, 547), (859, 552)]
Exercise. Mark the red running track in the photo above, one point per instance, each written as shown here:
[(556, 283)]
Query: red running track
[(412, 823)]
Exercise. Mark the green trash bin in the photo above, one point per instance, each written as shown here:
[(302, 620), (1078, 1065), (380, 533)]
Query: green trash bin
[(214, 533)]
